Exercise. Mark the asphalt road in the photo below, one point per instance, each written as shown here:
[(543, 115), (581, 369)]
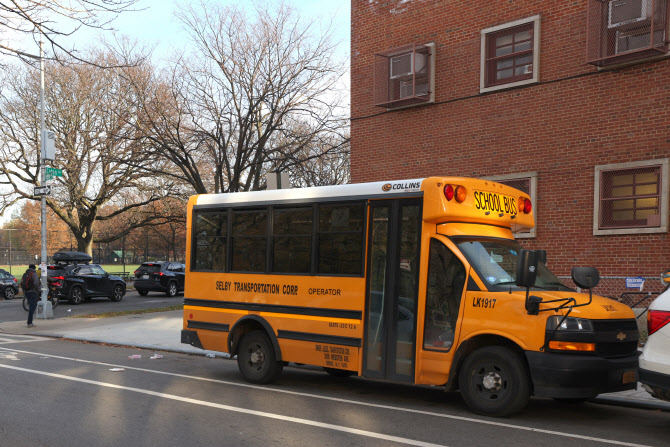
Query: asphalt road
[(63, 393), (13, 310)]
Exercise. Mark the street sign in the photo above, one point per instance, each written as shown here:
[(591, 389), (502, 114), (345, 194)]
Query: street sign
[(53, 173), (42, 191), (48, 145), (635, 283)]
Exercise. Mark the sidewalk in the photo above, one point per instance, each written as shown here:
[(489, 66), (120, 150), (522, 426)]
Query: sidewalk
[(162, 331)]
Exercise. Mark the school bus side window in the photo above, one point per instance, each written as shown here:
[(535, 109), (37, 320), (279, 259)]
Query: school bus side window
[(341, 239), (249, 240), (210, 240), (446, 278), (292, 240)]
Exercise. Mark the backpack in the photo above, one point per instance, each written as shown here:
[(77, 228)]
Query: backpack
[(27, 281)]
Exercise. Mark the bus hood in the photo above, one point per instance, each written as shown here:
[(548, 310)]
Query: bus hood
[(601, 308)]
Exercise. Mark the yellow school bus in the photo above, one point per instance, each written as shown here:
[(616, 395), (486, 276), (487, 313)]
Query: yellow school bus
[(417, 281)]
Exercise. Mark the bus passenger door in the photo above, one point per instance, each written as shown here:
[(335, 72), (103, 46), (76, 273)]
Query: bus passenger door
[(393, 274)]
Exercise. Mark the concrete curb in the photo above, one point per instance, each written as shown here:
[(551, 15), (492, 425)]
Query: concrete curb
[(658, 405)]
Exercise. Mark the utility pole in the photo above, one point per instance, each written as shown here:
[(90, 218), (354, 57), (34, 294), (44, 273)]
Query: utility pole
[(46, 310)]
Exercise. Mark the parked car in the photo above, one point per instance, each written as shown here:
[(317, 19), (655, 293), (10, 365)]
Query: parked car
[(9, 286), (655, 358), (160, 276), (79, 280)]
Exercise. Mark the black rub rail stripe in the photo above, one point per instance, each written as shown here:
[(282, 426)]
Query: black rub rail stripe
[(320, 338), (208, 326), (296, 310)]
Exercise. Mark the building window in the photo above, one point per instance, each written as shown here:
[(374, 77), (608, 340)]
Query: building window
[(404, 76), (621, 31), (525, 182), (510, 54), (631, 198)]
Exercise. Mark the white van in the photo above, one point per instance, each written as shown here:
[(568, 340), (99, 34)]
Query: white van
[(655, 358)]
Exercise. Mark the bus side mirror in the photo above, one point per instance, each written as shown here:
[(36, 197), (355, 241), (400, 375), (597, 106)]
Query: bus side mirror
[(526, 268), (585, 277)]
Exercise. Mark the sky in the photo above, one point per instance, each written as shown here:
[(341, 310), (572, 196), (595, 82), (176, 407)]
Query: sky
[(156, 24)]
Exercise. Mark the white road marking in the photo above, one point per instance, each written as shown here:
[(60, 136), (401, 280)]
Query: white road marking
[(23, 339), (264, 414), (347, 401), (9, 355)]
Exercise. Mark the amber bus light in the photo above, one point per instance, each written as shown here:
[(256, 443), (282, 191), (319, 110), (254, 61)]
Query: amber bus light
[(461, 194), (572, 346)]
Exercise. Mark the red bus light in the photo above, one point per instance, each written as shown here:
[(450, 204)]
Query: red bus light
[(527, 206), (449, 192), (656, 319)]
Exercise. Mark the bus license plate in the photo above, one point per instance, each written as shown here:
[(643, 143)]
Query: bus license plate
[(492, 202), (628, 376)]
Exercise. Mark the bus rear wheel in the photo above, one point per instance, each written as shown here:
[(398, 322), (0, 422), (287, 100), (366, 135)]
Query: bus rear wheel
[(494, 382), (256, 359)]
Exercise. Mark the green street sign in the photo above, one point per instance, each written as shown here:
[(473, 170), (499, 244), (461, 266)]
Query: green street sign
[(53, 173)]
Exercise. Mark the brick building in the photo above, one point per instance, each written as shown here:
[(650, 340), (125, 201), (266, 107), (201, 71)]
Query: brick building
[(567, 100)]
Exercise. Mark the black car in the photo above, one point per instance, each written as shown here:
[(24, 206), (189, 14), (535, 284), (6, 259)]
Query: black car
[(160, 276), (81, 281), (9, 286)]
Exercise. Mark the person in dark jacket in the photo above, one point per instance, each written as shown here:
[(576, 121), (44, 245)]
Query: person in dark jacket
[(31, 290)]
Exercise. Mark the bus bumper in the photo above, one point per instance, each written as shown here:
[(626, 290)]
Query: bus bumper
[(580, 376), (191, 338)]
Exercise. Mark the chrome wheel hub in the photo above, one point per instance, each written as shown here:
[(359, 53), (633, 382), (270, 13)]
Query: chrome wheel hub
[(492, 381)]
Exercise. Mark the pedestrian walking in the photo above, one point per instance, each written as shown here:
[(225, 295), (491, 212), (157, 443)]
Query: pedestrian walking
[(30, 284)]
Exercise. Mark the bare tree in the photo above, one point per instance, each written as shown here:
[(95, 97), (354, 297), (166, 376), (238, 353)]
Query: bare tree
[(55, 20), (257, 94), (89, 109)]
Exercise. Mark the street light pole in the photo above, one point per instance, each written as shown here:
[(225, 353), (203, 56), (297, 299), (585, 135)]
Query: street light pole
[(46, 311)]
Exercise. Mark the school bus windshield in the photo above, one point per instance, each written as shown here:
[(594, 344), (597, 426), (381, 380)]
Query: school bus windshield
[(495, 261)]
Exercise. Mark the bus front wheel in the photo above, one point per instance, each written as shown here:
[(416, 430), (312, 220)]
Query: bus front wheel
[(494, 381), (256, 359)]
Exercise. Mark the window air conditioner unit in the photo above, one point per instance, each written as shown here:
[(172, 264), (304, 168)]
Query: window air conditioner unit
[(407, 64), (408, 90), (624, 12)]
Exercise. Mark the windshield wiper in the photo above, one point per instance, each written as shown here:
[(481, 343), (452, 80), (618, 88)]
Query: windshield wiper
[(503, 283)]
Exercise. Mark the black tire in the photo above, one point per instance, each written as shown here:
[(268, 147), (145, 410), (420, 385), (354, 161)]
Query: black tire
[(339, 372), (256, 359), (25, 304), (172, 289), (142, 292), (76, 295), (117, 293), (494, 381), (9, 293)]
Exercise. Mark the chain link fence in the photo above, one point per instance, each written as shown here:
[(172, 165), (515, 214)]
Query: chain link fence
[(639, 300), (135, 248)]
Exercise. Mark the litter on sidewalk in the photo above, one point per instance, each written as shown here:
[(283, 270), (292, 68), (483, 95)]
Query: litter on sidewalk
[(156, 356), (135, 356)]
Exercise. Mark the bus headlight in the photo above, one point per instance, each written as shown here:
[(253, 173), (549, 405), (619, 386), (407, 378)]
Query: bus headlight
[(569, 324)]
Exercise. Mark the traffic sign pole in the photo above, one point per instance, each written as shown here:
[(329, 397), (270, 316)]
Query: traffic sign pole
[(44, 309)]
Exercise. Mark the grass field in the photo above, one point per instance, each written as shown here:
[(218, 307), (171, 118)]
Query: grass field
[(17, 270)]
